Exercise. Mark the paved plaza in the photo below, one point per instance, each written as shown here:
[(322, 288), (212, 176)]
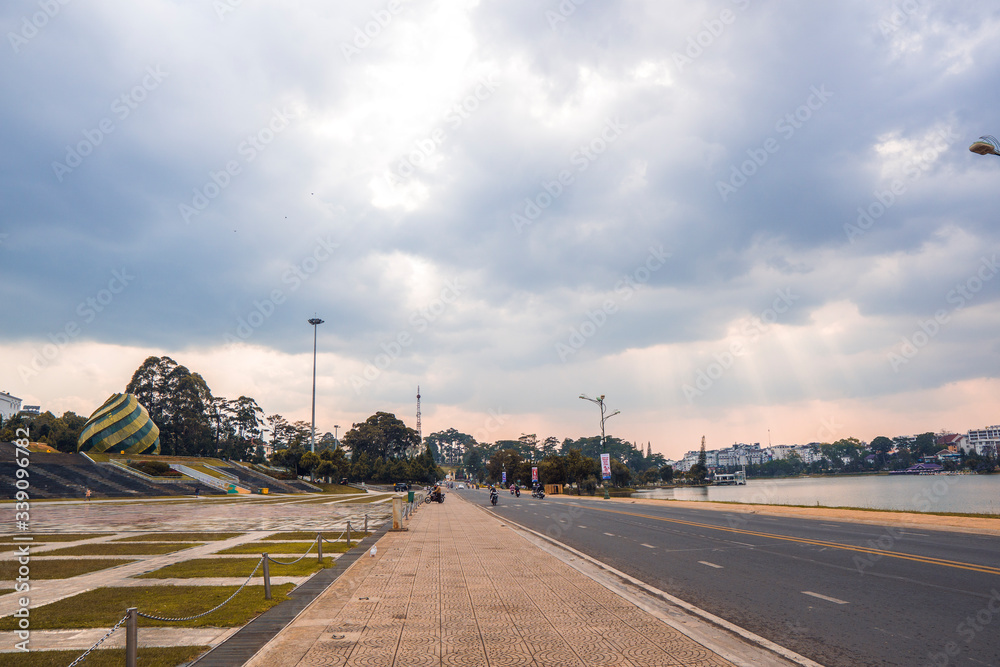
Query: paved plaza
[(250, 518)]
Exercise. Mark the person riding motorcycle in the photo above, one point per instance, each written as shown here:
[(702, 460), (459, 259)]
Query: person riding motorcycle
[(436, 494), (493, 494)]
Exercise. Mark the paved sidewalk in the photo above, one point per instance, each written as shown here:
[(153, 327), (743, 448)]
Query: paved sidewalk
[(462, 588)]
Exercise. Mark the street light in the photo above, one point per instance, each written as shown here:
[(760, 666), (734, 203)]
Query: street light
[(600, 403), (604, 417), (986, 145), (314, 321), (335, 427)]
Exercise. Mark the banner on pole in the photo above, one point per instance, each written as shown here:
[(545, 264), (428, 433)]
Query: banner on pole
[(606, 466), (534, 474), (503, 477)]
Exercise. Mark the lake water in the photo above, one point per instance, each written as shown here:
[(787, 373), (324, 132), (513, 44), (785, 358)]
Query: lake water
[(978, 494)]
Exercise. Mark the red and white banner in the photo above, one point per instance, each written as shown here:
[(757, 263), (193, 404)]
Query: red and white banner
[(606, 466), (534, 474)]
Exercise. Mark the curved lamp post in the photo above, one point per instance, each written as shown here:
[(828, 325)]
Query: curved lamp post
[(986, 145), (315, 321), (604, 417)]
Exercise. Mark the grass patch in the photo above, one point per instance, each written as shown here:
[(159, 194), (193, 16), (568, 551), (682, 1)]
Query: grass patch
[(53, 537), (285, 548), (178, 537), (63, 568), (103, 607), (369, 499), (120, 549), (211, 472), (235, 567), (149, 656), (335, 488), (307, 535), (4, 591)]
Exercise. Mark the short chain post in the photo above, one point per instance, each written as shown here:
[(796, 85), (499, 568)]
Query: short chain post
[(132, 638), (319, 542), (366, 524), (267, 579), (348, 534)]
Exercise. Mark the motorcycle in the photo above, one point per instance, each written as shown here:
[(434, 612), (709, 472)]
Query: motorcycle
[(434, 496), (538, 493), (493, 496)]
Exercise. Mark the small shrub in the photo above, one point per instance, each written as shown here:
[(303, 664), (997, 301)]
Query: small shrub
[(154, 468)]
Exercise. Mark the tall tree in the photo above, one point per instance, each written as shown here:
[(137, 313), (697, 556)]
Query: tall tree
[(381, 436)]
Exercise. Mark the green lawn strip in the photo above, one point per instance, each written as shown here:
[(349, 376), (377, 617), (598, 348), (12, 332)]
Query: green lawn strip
[(103, 607), (308, 535), (4, 591), (211, 472), (52, 537), (335, 488), (122, 549), (284, 548), (63, 568), (235, 567), (368, 499), (149, 656), (178, 537)]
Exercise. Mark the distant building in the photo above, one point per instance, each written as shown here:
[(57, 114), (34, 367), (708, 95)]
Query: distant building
[(742, 455), (985, 441), (955, 442), (777, 452), (9, 405), (32, 409)]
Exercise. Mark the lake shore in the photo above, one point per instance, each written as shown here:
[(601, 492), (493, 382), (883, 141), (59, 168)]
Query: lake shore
[(964, 524)]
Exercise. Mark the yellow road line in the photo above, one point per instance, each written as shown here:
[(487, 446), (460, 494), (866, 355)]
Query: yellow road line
[(821, 543)]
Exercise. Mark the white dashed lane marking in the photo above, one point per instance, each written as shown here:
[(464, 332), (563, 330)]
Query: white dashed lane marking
[(705, 562), (825, 597)]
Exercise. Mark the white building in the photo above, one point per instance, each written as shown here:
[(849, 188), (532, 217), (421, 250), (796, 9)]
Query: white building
[(778, 452), (985, 441), (742, 455), (9, 405)]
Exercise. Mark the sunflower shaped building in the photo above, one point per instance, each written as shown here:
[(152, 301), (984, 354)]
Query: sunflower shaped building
[(120, 426)]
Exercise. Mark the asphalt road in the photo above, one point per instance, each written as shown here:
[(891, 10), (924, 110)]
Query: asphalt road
[(842, 594)]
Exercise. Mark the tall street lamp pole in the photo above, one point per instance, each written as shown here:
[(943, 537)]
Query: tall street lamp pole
[(314, 321), (599, 401)]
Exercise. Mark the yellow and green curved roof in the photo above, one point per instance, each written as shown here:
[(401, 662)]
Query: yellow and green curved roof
[(120, 426)]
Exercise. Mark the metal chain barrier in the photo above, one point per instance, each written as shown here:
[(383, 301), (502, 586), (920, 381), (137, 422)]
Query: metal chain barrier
[(336, 539), (191, 618), (99, 642), (297, 559)]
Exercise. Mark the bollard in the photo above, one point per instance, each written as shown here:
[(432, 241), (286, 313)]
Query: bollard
[(132, 637), (348, 534), (397, 514), (366, 524), (319, 543), (267, 579)]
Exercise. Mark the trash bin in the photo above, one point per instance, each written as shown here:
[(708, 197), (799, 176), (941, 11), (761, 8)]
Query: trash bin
[(409, 496)]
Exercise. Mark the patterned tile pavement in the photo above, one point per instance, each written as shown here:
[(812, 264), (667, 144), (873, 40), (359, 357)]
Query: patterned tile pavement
[(460, 588)]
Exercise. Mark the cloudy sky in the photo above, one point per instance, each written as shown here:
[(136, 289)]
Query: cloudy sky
[(741, 219)]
